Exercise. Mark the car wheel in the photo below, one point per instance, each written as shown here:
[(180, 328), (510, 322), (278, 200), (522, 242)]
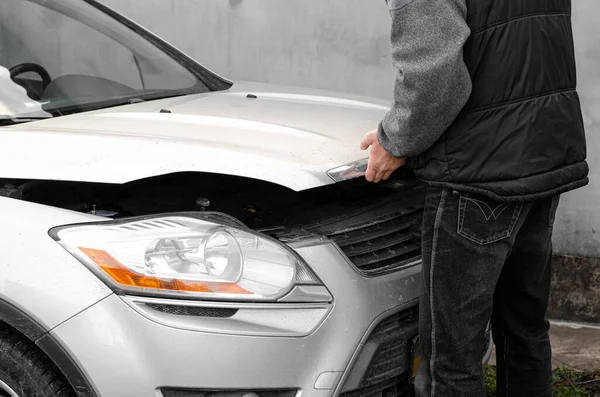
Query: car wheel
[(25, 371)]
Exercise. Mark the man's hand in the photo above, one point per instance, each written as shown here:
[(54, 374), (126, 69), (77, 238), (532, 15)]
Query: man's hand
[(381, 164)]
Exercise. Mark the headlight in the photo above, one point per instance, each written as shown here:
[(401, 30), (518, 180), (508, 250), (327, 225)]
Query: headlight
[(349, 171), (186, 256)]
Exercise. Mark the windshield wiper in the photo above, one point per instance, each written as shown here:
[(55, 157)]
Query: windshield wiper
[(8, 120)]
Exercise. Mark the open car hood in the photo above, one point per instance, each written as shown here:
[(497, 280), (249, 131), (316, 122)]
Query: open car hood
[(291, 137)]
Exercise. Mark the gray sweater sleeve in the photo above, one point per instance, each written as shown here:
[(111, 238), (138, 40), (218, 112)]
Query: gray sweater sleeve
[(433, 83)]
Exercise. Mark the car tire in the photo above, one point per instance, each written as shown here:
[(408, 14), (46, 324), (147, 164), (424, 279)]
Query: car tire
[(25, 371)]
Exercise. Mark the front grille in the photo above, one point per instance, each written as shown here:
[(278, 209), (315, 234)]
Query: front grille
[(381, 369), (380, 237)]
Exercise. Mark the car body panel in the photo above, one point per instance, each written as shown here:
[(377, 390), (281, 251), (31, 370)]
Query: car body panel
[(39, 277), (111, 345), (130, 343), (290, 137)]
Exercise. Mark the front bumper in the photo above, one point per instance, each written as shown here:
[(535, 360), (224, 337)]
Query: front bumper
[(125, 353)]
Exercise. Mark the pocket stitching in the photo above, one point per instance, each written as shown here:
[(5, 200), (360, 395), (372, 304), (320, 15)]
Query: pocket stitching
[(493, 214), (464, 198)]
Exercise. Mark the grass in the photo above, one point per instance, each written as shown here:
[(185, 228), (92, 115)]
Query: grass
[(567, 382)]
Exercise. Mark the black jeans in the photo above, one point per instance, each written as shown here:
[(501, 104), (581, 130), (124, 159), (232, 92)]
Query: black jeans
[(483, 260)]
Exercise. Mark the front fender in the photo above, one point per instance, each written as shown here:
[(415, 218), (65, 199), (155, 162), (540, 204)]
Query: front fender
[(37, 276)]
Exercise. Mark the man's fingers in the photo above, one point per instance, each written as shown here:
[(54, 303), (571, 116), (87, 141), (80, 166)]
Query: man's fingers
[(370, 174), (382, 175), (368, 140), (381, 164), (378, 176)]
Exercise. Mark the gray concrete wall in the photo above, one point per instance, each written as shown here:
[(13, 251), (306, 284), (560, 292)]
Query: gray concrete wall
[(335, 44), (343, 45), (578, 228)]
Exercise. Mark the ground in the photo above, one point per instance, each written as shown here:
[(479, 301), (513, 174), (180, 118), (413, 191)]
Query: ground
[(575, 359), (567, 382)]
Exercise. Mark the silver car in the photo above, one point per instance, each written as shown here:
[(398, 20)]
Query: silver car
[(166, 232)]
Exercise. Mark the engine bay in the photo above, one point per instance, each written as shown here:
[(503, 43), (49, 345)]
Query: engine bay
[(259, 205)]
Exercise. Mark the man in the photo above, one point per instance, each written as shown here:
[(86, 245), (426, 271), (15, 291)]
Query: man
[(486, 113)]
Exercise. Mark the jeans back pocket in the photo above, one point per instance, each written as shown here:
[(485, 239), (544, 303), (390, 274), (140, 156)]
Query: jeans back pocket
[(485, 221)]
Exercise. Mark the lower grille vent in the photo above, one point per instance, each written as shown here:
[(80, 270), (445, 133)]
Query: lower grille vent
[(397, 387), (381, 369), (214, 312)]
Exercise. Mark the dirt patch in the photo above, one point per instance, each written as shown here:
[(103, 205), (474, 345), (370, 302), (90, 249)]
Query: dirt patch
[(567, 382)]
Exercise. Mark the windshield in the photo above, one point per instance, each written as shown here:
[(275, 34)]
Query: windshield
[(65, 56)]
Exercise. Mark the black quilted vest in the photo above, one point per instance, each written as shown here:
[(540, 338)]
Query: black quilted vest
[(521, 135)]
